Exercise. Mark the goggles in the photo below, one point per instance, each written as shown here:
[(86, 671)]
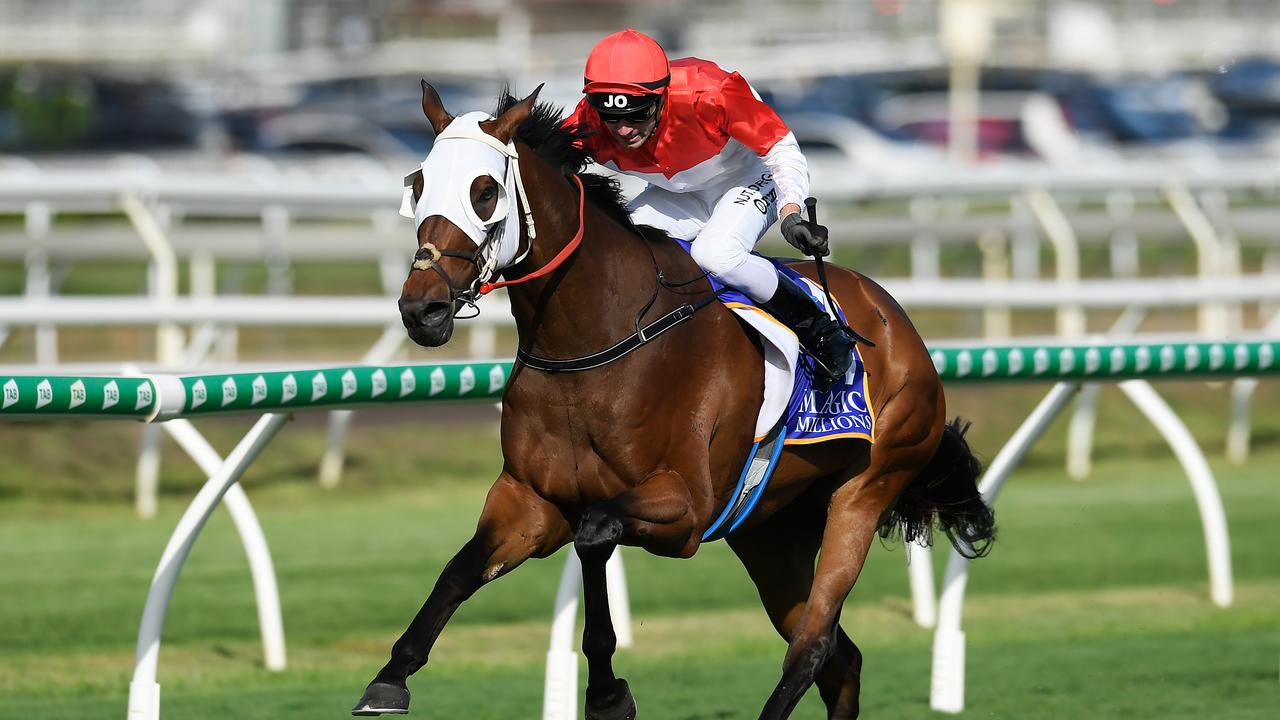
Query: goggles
[(619, 107)]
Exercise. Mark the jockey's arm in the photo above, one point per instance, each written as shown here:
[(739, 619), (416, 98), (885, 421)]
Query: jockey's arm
[(790, 173), (753, 123)]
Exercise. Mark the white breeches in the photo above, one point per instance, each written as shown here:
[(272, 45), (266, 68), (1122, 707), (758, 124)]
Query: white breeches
[(723, 223)]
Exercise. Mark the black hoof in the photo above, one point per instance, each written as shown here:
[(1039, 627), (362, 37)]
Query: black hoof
[(617, 705), (383, 699)]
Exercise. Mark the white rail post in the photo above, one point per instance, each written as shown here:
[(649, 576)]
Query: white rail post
[(38, 218), (387, 345), (1080, 432), (147, 473), (1270, 266), (1026, 240), (1084, 417), (1203, 487), (997, 320), (946, 692), (144, 691), (924, 602), (265, 589), (560, 689), (164, 265), (1208, 251), (619, 602), (276, 220), (1123, 247), (164, 290), (204, 286), (1217, 209), (1071, 321), (1238, 429), (925, 251)]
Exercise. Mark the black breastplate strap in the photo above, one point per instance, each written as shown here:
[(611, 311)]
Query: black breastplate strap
[(629, 344)]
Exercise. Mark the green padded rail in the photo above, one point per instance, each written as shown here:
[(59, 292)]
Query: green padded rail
[(124, 397), (302, 389), (287, 390), (1106, 362)]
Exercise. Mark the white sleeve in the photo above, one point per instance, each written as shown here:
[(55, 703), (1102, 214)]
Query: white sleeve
[(789, 169)]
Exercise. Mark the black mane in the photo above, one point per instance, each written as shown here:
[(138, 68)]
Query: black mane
[(555, 144)]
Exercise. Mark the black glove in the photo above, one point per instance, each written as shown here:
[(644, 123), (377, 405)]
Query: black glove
[(808, 238)]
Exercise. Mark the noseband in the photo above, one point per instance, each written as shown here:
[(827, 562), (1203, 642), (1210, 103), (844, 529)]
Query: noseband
[(428, 258)]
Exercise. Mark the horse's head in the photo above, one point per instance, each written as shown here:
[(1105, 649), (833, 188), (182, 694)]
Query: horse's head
[(465, 205)]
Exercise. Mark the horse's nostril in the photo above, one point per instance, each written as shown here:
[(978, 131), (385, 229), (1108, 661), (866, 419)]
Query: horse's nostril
[(435, 313), (409, 311), (429, 324), (424, 313)]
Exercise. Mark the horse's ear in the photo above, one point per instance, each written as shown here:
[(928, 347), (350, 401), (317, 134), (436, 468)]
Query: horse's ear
[(433, 108), (504, 127)]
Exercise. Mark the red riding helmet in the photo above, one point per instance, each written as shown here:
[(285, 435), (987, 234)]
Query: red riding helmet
[(626, 71)]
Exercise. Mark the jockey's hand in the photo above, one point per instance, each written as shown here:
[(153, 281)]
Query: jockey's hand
[(808, 238)]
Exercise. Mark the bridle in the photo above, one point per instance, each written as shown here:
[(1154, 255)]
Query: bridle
[(485, 258), (428, 258)]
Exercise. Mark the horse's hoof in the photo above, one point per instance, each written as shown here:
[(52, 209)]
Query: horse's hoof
[(618, 705), (383, 699)]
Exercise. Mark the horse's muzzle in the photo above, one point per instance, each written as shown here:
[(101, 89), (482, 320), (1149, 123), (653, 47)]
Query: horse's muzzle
[(430, 323)]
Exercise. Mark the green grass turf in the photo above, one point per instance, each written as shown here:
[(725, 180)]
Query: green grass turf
[(1093, 603)]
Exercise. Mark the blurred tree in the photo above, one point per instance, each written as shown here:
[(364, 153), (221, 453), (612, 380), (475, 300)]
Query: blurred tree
[(44, 110)]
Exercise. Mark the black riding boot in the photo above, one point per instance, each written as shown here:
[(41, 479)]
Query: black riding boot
[(823, 338)]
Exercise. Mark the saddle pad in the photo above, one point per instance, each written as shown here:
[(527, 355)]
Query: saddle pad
[(810, 415)]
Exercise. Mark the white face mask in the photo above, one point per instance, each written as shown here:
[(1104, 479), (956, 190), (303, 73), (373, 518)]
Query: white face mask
[(447, 174)]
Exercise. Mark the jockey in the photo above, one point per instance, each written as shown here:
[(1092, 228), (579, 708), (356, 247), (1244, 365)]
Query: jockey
[(719, 163)]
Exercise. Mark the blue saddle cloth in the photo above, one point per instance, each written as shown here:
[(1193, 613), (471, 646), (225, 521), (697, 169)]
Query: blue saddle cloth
[(811, 416)]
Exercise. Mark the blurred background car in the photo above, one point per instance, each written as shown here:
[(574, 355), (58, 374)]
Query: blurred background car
[(1124, 113), (376, 115), (1249, 90)]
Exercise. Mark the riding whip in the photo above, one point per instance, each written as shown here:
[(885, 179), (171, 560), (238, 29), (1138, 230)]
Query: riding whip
[(811, 206)]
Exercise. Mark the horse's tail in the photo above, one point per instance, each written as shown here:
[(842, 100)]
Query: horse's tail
[(947, 489)]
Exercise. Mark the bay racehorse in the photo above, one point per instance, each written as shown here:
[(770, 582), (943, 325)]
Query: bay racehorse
[(644, 448)]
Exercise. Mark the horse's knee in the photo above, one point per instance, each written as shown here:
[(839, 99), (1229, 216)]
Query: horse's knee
[(598, 534), (840, 680), (806, 657)]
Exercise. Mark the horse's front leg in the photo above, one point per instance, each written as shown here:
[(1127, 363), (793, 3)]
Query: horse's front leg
[(516, 524), (658, 515)]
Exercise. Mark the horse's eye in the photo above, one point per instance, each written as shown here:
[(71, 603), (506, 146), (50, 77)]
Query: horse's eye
[(487, 194)]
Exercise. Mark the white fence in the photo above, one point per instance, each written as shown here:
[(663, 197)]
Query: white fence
[(278, 216), (259, 212)]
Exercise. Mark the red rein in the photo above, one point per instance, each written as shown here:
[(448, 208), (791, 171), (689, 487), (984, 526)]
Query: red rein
[(564, 254)]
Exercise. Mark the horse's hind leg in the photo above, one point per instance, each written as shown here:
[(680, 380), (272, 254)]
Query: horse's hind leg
[(853, 514), (779, 556), (516, 524), (657, 514)]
